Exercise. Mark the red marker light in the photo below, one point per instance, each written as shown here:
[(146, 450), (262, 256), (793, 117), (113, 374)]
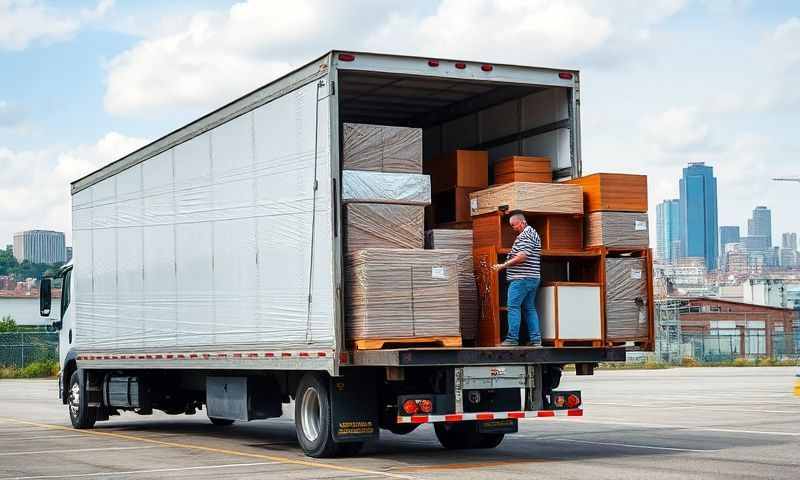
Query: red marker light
[(565, 76), (425, 406), (487, 68), (573, 401), (433, 63), (461, 66), (410, 407), (346, 57)]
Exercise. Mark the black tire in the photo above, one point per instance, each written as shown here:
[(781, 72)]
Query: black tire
[(403, 428), (465, 435), (81, 416), (221, 422), (312, 417)]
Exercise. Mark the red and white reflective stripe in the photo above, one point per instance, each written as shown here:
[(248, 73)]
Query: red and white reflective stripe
[(200, 356), (461, 417)]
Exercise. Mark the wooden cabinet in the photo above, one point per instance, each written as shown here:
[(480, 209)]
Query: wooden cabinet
[(558, 232), (460, 168), (613, 192), (570, 313)]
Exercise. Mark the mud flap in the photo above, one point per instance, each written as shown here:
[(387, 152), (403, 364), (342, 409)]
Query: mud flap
[(354, 406), (505, 425)]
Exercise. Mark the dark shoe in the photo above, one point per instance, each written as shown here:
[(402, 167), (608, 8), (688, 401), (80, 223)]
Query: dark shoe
[(509, 343), (535, 343)]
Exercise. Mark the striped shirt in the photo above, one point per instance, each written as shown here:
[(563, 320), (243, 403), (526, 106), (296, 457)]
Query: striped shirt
[(528, 242)]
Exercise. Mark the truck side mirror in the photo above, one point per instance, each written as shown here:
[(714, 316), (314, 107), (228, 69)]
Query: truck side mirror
[(45, 299)]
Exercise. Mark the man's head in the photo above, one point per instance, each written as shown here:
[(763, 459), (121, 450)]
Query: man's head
[(518, 222)]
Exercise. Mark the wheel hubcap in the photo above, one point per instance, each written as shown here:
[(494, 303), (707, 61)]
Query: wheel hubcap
[(74, 400), (311, 413)]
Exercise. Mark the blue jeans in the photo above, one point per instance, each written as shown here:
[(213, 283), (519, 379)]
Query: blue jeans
[(522, 296)]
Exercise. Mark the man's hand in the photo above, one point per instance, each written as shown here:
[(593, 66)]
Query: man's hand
[(498, 266)]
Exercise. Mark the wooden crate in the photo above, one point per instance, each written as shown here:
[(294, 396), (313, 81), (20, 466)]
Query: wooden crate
[(528, 197), (557, 232), (523, 169), (460, 168), (613, 192)]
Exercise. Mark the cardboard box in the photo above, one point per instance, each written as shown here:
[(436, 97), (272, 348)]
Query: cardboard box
[(460, 241), (381, 148), (528, 197), (523, 169), (397, 293), (626, 299), (376, 225), (461, 168), (615, 192)]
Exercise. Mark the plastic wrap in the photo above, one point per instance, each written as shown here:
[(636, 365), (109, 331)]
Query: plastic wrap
[(626, 298), (460, 241), (381, 148), (528, 197), (379, 187), (617, 229), (377, 225), (396, 293), (209, 243)]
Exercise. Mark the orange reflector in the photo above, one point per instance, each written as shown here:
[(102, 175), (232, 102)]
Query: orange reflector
[(425, 406), (410, 407), (558, 401)]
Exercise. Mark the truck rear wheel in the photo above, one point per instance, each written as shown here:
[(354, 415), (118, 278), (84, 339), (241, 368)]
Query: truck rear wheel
[(465, 435), (80, 414), (312, 419)]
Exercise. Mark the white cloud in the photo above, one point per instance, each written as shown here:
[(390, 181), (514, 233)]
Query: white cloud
[(25, 22), (677, 130), (35, 183), (214, 57)]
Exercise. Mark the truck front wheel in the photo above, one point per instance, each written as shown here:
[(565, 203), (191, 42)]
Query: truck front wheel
[(465, 435), (80, 414), (312, 419)]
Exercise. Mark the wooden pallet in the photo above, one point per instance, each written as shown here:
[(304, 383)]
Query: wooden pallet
[(560, 343), (381, 343)]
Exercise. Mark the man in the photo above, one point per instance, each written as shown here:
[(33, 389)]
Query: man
[(523, 275)]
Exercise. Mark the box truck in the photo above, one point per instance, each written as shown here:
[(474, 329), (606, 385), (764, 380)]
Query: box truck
[(208, 265)]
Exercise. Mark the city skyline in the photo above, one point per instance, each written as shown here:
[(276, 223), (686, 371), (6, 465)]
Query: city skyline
[(698, 213)]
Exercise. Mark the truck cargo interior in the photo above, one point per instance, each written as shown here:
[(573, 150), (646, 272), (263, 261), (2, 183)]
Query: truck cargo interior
[(504, 119)]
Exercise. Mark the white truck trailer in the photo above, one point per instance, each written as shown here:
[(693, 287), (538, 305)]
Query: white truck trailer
[(208, 266)]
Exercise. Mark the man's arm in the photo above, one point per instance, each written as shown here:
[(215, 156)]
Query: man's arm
[(516, 259)]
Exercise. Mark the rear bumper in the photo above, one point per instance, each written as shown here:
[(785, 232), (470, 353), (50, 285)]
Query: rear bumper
[(412, 357), (463, 417)]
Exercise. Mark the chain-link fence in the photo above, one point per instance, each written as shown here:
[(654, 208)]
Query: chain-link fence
[(747, 344), (19, 349)]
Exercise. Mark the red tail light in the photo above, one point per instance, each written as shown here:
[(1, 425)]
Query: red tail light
[(487, 68), (410, 407), (573, 401), (433, 63), (461, 66), (565, 76), (426, 406), (347, 57)]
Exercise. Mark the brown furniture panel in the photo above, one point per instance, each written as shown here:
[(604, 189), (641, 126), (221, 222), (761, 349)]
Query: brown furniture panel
[(523, 169), (460, 168), (528, 197), (613, 192), (523, 177)]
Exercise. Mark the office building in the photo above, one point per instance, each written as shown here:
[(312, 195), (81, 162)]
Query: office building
[(39, 246), (69, 254), (728, 234), (698, 214), (668, 230), (789, 241), (761, 224)]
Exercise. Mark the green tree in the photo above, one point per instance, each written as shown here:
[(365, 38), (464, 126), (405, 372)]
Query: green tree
[(7, 262), (7, 324)]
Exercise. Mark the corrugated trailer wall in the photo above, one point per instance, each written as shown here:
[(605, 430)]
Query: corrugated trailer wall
[(545, 108), (209, 243)]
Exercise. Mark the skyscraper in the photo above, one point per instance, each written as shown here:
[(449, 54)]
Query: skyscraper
[(39, 246), (728, 234), (668, 232), (698, 213), (761, 224), (789, 241)]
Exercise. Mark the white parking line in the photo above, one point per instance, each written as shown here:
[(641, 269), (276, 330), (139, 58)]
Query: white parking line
[(681, 427), (628, 445), (42, 437), (134, 472), (693, 407), (70, 450)]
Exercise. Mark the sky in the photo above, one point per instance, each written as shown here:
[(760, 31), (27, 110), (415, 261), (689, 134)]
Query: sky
[(663, 83)]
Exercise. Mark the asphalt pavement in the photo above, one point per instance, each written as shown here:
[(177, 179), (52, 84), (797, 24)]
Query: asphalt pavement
[(725, 423)]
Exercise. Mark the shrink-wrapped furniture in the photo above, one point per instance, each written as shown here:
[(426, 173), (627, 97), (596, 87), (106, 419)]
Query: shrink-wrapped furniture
[(626, 298), (377, 225), (379, 187), (381, 148), (394, 295), (460, 241), (617, 230), (528, 197)]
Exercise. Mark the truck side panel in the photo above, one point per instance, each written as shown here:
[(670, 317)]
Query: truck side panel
[(220, 241)]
